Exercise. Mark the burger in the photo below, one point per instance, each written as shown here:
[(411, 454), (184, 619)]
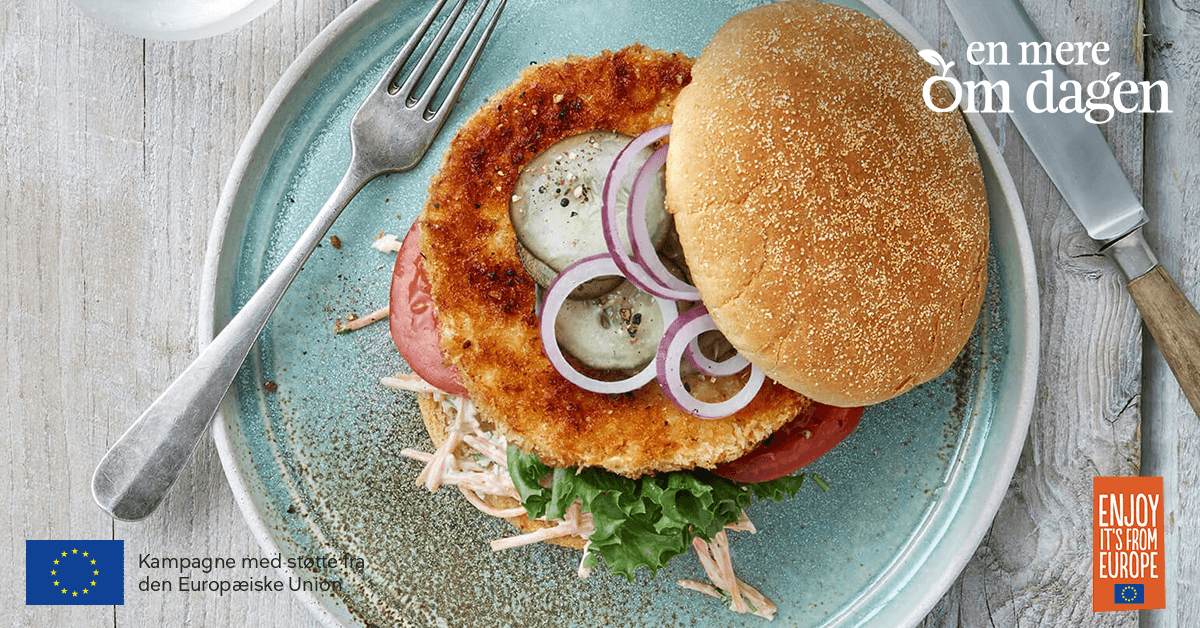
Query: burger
[(645, 291)]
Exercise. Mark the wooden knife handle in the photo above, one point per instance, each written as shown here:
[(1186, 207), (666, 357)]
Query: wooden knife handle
[(1175, 325)]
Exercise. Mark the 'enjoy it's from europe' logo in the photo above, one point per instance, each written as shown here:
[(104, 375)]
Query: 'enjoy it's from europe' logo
[(1127, 544)]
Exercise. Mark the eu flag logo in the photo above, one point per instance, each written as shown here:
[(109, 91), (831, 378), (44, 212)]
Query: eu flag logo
[(75, 572), (1129, 593)]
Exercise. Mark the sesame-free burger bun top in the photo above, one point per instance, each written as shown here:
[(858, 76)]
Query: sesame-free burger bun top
[(835, 226)]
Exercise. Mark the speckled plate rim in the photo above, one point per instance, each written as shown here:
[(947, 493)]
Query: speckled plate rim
[(266, 129), (933, 574)]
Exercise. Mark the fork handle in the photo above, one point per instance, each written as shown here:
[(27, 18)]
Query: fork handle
[(139, 469)]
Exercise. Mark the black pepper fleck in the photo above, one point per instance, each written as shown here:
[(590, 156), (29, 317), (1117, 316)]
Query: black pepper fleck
[(565, 202)]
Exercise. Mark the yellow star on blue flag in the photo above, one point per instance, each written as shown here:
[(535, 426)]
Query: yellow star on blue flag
[(69, 572)]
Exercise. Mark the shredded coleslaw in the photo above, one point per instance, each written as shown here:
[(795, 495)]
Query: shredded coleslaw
[(473, 459)]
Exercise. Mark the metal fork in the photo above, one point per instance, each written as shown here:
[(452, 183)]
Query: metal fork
[(391, 131)]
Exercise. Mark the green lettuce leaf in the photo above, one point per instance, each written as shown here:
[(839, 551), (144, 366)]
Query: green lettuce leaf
[(527, 473), (644, 522)]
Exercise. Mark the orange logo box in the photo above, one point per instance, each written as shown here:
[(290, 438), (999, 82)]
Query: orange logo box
[(1127, 544)]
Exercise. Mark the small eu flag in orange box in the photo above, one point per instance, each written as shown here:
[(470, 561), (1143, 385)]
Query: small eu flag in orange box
[(75, 572), (1129, 593)]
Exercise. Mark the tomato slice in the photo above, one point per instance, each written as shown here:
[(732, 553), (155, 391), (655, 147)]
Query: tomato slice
[(788, 449), (413, 318)]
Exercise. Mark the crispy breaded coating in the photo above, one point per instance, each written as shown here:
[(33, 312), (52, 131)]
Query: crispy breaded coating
[(485, 298)]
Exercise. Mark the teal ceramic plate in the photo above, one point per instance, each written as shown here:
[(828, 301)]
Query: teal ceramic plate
[(309, 439)]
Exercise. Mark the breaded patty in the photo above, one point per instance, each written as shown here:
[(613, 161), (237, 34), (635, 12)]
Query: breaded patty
[(485, 299)]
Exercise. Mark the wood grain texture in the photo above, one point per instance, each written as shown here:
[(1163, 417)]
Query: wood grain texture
[(1170, 429), (1174, 326), (67, 158), (115, 150)]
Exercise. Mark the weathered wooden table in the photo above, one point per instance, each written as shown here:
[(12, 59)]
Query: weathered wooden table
[(115, 149)]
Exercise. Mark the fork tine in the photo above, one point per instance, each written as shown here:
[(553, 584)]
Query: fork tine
[(448, 104), (411, 82), (427, 97), (389, 77)]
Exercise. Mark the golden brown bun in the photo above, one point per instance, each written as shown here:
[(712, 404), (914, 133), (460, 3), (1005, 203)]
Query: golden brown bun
[(835, 226), (485, 299), (437, 420)]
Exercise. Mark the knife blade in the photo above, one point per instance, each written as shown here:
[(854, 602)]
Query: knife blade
[(1083, 167), (1071, 149)]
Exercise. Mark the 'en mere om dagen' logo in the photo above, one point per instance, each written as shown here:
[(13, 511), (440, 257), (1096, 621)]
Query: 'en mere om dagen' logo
[(1104, 97)]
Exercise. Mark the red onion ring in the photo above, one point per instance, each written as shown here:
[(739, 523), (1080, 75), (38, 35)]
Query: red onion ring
[(713, 368), (644, 253), (634, 272), (690, 325), (570, 278), (647, 272)]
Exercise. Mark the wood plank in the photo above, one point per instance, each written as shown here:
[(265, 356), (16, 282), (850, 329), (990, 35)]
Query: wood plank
[(1171, 431), (115, 152), (1034, 566), (72, 136)]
